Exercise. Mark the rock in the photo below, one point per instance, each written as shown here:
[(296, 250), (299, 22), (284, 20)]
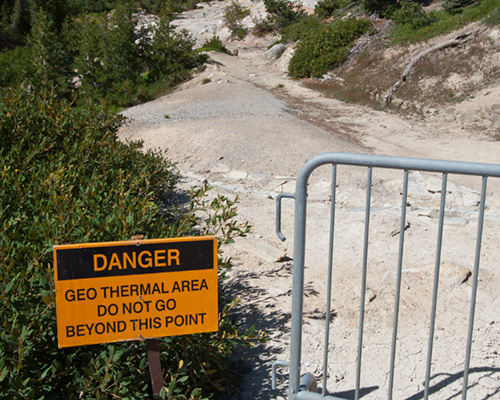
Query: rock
[(397, 102), (236, 175), (470, 117), (484, 114), (494, 117), (453, 274), (256, 177), (275, 52), (434, 185), (220, 169), (456, 221), (390, 276)]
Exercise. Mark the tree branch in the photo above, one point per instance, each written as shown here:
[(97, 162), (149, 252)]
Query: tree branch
[(404, 76)]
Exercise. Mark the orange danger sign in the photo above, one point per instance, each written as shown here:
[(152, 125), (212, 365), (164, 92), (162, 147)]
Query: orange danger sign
[(108, 292)]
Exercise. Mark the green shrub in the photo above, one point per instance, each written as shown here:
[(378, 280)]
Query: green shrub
[(307, 26), (282, 13), (326, 8), (262, 27), (65, 178), (214, 44), (233, 15), (384, 8), (442, 22), (493, 19), (456, 5), (411, 13), (15, 66), (325, 48)]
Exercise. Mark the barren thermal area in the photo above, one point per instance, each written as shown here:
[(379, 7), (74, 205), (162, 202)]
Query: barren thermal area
[(245, 127)]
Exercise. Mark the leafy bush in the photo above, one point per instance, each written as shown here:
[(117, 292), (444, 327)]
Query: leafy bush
[(65, 178), (325, 47), (214, 44)]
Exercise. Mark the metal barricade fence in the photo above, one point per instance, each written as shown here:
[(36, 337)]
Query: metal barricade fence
[(306, 387)]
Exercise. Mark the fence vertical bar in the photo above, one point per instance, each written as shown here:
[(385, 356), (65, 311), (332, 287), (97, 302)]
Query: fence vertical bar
[(398, 284), (330, 273), (363, 283), (474, 286), (298, 280), (436, 285)]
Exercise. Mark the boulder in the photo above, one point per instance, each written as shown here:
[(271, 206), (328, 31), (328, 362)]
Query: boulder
[(275, 52)]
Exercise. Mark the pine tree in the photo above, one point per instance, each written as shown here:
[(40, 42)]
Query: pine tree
[(171, 53), (56, 10), (108, 59), (50, 62), (120, 55)]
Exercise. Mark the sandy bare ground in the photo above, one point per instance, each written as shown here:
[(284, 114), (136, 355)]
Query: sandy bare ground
[(244, 126)]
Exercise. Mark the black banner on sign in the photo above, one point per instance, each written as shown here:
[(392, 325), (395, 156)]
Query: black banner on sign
[(137, 258)]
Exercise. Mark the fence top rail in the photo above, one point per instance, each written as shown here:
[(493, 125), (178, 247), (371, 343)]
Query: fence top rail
[(404, 163)]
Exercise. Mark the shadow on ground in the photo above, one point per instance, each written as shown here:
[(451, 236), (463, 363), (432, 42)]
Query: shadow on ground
[(253, 365), (444, 380)]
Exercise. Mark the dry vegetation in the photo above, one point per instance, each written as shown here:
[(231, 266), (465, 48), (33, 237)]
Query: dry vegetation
[(440, 79)]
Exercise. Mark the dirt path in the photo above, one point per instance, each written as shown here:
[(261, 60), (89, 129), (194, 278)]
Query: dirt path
[(247, 129)]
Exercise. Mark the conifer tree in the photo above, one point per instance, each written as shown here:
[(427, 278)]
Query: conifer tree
[(171, 53), (108, 59), (56, 10), (50, 62)]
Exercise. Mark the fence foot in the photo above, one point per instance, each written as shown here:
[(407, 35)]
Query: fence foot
[(308, 383)]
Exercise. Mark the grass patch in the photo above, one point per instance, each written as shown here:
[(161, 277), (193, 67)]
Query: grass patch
[(445, 22)]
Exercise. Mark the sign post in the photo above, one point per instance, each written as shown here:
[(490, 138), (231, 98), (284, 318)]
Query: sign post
[(135, 290)]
